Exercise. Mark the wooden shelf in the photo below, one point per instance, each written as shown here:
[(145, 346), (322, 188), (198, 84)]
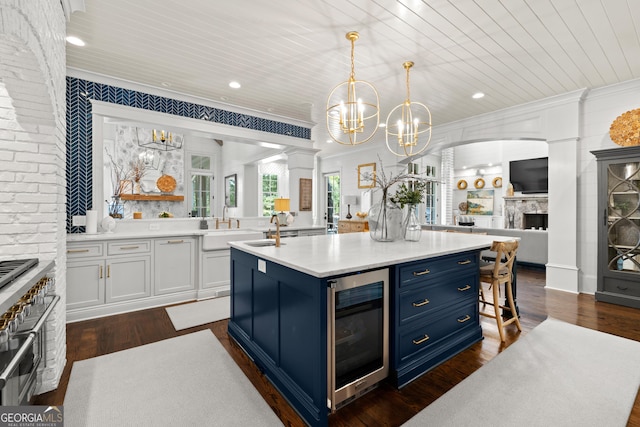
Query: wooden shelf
[(152, 197)]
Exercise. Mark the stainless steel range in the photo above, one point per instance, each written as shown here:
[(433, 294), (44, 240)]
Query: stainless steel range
[(26, 301)]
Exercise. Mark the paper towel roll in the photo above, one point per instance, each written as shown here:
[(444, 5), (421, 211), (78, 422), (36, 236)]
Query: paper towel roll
[(92, 222)]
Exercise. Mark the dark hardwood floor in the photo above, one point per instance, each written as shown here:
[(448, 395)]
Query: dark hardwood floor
[(384, 406)]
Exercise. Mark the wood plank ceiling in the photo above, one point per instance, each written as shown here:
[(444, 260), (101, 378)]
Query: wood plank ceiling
[(288, 55)]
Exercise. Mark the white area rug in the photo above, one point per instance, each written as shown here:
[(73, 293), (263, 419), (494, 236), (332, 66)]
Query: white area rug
[(185, 381), (199, 313), (557, 375)]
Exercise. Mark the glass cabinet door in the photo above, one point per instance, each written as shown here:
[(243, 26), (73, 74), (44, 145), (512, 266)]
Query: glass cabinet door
[(623, 216)]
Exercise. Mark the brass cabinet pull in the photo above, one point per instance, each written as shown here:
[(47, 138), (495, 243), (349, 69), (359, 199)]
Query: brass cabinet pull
[(76, 251), (464, 319), (421, 340), (420, 273), (175, 241), (101, 272), (124, 248), (465, 262), (466, 288), (108, 271), (421, 303)]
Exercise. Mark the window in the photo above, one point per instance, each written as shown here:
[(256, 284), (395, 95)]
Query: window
[(273, 182), (269, 193), (201, 192)]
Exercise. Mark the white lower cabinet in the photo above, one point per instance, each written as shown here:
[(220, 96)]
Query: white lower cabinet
[(215, 269), (174, 265), (85, 283), (96, 276), (128, 278)]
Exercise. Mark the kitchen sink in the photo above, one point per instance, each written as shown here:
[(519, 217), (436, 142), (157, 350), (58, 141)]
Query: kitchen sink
[(261, 243), (215, 240)]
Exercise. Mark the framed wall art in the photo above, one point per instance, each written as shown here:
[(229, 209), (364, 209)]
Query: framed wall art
[(305, 194), (367, 175)]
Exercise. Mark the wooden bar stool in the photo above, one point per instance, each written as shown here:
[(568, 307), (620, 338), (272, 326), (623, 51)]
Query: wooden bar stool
[(497, 273)]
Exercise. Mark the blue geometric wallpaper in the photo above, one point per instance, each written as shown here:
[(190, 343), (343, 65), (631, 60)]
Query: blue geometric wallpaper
[(79, 132)]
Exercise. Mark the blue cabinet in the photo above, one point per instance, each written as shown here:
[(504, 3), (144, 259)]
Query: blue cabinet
[(435, 312), (279, 317)]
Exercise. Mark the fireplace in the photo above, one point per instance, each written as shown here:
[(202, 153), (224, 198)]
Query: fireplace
[(535, 220), (525, 212)]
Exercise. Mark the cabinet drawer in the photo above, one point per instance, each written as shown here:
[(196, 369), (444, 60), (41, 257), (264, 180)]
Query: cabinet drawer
[(421, 300), (423, 270), (426, 335), (344, 227), (621, 286), (132, 247), (85, 250)]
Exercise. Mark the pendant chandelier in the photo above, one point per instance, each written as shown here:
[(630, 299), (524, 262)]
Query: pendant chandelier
[(408, 127), (353, 107)]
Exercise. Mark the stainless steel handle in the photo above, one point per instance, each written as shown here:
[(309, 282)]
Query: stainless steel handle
[(421, 340), (464, 319), (171, 242), (420, 273), (76, 251), (13, 364), (421, 303), (465, 262), (466, 288), (45, 315), (101, 272), (125, 248)]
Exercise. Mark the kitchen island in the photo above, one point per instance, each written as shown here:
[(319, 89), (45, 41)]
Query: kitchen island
[(280, 305)]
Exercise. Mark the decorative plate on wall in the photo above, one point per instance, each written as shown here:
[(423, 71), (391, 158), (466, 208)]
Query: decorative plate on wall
[(497, 182), (625, 129), (462, 184), (166, 183), (479, 183)]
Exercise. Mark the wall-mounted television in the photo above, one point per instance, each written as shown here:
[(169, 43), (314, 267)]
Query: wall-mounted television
[(530, 175)]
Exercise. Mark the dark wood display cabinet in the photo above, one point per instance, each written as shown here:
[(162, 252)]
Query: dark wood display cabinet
[(619, 226)]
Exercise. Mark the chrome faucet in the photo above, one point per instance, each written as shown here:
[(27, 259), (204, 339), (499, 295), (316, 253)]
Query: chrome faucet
[(277, 237)]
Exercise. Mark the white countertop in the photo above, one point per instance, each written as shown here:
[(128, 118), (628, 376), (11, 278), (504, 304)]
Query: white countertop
[(145, 233), (337, 254)]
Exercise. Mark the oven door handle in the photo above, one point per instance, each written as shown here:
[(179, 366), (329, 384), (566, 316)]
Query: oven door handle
[(45, 315), (16, 359)]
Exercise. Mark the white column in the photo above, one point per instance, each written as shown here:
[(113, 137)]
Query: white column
[(300, 163), (562, 269)]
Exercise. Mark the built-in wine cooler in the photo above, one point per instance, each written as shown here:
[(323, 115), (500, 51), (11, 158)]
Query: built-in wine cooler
[(358, 335)]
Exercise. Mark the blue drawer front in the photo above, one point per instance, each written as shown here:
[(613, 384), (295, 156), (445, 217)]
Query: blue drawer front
[(422, 299), (422, 338), (453, 264)]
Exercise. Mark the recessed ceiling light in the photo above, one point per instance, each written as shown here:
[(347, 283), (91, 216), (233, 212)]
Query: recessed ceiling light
[(165, 84), (75, 41), (234, 85), (382, 125), (329, 141), (224, 98), (478, 95)]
